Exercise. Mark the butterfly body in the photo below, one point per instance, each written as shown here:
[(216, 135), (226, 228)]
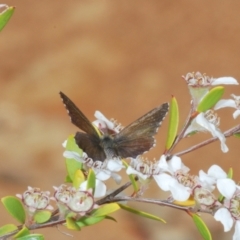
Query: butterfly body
[(133, 140)]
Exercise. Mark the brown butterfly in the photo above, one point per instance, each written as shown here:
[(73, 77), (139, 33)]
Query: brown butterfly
[(133, 140)]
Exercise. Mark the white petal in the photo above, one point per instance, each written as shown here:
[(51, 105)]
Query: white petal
[(3, 5), (179, 192), (236, 114), (223, 215), (101, 117), (175, 163), (226, 187), (205, 178), (64, 144), (225, 103), (164, 181), (225, 80), (102, 175), (117, 178), (115, 165), (202, 121), (216, 172), (100, 190), (131, 170), (236, 235), (72, 155), (162, 163)]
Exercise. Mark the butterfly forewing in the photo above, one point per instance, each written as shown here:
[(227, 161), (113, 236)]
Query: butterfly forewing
[(77, 117), (137, 137)]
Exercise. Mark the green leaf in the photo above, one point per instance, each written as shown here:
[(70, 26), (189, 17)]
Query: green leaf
[(68, 179), (91, 180), (35, 236), (5, 16), (105, 210), (230, 173), (88, 221), (210, 99), (236, 135), (140, 213), (72, 164), (7, 229), (78, 178), (173, 123), (132, 178), (14, 207), (23, 232), (72, 146), (42, 216), (202, 228), (110, 218), (71, 224)]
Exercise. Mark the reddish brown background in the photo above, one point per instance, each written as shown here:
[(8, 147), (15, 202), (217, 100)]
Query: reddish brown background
[(120, 57)]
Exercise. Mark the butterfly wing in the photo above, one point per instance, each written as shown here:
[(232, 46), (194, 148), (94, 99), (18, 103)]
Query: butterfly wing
[(77, 117), (90, 144), (137, 137)]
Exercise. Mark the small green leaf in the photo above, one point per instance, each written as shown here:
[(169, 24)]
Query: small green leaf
[(91, 180), (23, 232), (78, 178), (88, 221), (202, 228), (140, 213), (35, 236), (15, 208), (42, 216), (5, 16), (72, 146), (210, 99), (237, 135), (68, 179), (7, 229), (105, 210), (71, 224), (72, 164), (173, 123), (110, 218), (132, 178), (230, 173)]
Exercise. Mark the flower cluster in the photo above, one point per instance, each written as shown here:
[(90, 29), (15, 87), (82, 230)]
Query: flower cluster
[(77, 204), (169, 172)]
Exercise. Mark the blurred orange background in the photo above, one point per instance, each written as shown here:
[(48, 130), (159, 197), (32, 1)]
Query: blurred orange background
[(122, 58)]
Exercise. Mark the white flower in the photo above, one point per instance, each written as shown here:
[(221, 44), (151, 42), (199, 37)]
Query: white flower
[(230, 103), (209, 179), (102, 121), (230, 212), (100, 188), (208, 122), (171, 181), (106, 125), (142, 168), (199, 85)]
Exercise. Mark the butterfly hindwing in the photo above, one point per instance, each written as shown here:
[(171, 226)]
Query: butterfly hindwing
[(77, 117), (137, 137), (90, 144)]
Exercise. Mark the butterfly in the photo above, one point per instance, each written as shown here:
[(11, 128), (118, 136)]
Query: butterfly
[(131, 141)]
